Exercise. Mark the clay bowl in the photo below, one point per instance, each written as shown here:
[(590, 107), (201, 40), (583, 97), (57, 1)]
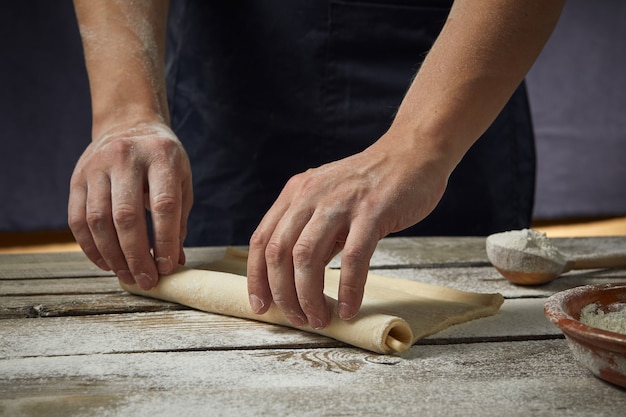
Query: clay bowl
[(602, 352)]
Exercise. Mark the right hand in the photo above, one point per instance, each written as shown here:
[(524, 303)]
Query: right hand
[(119, 176)]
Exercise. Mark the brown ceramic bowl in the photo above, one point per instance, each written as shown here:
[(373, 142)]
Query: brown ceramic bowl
[(602, 352)]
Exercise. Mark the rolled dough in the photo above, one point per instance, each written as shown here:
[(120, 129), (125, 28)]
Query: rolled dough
[(394, 315)]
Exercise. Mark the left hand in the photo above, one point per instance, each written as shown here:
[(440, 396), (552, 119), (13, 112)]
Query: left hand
[(349, 204)]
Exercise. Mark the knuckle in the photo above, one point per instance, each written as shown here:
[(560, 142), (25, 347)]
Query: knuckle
[(294, 181), (164, 204), (351, 288), (167, 151), (354, 255), (171, 147), (307, 182), (165, 241), (135, 263), (309, 304), (97, 220), (282, 303), (121, 147), (301, 182), (303, 252), (258, 239), (138, 260), (275, 253), (126, 216), (288, 306), (76, 222)]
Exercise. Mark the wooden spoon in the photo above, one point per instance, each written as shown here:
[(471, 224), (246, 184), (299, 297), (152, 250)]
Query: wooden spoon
[(539, 261)]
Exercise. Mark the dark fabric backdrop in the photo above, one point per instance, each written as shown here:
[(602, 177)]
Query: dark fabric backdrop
[(577, 90)]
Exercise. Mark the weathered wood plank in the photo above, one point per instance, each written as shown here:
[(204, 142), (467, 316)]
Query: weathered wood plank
[(193, 363), (80, 304), (45, 265), (488, 280), (145, 332), (429, 252), (590, 245), (76, 264), (53, 286), (483, 379), (191, 330), (421, 252)]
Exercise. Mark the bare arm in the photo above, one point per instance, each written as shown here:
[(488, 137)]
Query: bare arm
[(124, 44), (134, 161), (482, 54)]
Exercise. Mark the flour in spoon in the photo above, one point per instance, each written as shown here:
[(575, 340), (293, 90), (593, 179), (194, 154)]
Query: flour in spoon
[(528, 241)]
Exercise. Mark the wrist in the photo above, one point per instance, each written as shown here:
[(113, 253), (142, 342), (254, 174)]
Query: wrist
[(127, 117), (426, 144)]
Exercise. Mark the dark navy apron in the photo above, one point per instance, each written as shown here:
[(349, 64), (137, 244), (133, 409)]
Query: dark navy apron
[(261, 90)]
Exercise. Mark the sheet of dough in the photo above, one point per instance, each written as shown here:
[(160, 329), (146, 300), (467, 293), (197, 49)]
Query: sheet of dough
[(395, 313)]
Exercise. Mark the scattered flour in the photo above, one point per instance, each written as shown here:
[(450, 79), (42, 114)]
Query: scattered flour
[(613, 321)]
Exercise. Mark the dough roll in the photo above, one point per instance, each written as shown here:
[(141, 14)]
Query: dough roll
[(395, 313)]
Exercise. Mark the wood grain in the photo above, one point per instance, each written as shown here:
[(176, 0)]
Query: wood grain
[(484, 379), (73, 343), (193, 330), (79, 305)]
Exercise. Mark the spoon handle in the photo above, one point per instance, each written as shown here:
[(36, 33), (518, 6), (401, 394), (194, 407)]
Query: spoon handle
[(597, 261)]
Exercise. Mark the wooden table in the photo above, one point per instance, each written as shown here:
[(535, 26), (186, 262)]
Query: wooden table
[(72, 343)]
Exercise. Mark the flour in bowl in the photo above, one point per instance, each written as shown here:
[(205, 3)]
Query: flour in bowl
[(613, 321)]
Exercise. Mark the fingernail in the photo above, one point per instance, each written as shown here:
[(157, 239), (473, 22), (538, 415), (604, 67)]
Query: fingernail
[(164, 265), (125, 277), (344, 311), (315, 323), (256, 303), (297, 320), (144, 281)]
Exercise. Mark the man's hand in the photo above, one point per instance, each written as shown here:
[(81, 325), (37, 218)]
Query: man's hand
[(349, 204), (482, 54), (115, 180), (135, 161)]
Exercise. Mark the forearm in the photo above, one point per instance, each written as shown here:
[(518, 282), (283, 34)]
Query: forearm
[(482, 54), (124, 45)]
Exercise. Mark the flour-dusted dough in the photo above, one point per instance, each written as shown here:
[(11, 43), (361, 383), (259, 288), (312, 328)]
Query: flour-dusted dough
[(395, 313)]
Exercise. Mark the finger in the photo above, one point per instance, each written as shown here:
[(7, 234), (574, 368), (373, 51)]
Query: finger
[(77, 220), (359, 248), (314, 246), (184, 218), (165, 197), (259, 291), (129, 218), (270, 264), (280, 264), (100, 221)]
